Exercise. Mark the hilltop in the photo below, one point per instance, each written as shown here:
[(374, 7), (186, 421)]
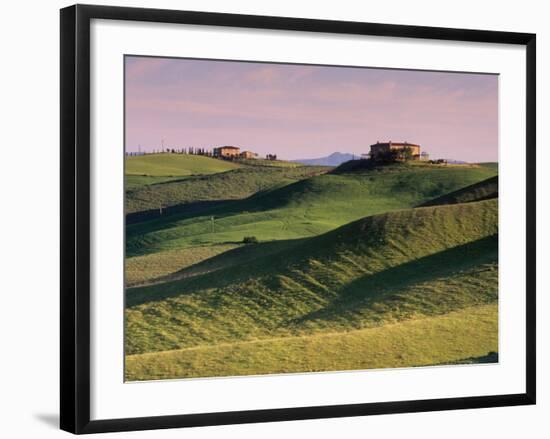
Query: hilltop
[(148, 169), (175, 165), (365, 165)]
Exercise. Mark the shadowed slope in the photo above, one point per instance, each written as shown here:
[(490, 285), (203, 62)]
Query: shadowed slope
[(484, 190), (356, 276), (302, 209), (232, 185)]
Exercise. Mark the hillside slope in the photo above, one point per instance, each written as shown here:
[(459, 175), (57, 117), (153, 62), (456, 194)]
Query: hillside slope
[(483, 190), (232, 185), (174, 165), (458, 337), (377, 270), (302, 209)]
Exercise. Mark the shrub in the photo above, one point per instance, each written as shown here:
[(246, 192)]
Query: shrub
[(250, 240)]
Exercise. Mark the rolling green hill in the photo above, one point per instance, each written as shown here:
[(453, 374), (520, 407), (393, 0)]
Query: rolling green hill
[(490, 165), (348, 273), (151, 268), (174, 165), (382, 269), (482, 190), (302, 209), (132, 182), (457, 337), (269, 163), (223, 186)]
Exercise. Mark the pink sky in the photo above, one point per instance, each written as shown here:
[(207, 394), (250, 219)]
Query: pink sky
[(303, 111)]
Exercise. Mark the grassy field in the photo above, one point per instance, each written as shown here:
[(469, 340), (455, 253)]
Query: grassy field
[(175, 165), (373, 271), (223, 186), (343, 257), (132, 182), (490, 165), (482, 190), (305, 208), (157, 266), (269, 163), (418, 342)]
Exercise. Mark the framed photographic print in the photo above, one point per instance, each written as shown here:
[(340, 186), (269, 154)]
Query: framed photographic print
[(269, 218)]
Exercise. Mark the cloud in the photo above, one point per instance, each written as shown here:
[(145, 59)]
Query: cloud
[(291, 108), (144, 67)]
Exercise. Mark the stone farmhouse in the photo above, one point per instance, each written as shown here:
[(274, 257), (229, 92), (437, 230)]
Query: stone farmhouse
[(232, 152), (248, 155), (380, 150), (226, 152)]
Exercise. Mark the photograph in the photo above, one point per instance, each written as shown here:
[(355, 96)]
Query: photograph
[(294, 218)]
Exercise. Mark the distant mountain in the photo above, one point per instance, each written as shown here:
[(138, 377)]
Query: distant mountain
[(335, 159)]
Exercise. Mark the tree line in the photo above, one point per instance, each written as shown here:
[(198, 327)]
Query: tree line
[(185, 150)]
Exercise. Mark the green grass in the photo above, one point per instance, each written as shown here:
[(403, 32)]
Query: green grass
[(490, 165), (269, 163), (305, 208), (132, 182), (174, 165), (362, 165), (468, 333), (235, 255), (482, 190), (348, 272), (232, 185), (374, 271), (158, 266)]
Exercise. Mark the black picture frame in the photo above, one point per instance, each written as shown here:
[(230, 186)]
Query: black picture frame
[(75, 217)]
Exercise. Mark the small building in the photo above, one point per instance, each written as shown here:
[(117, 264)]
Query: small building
[(424, 156), (226, 152), (380, 150), (248, 155)]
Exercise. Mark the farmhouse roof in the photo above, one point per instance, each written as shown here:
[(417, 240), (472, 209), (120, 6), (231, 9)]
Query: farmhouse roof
[(394, 143), (229, 147)]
